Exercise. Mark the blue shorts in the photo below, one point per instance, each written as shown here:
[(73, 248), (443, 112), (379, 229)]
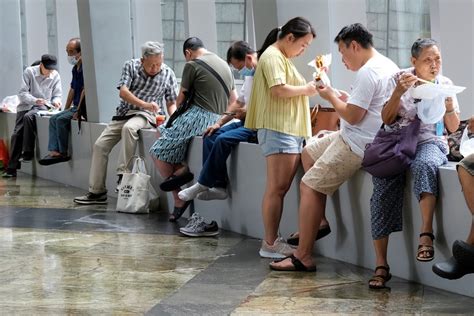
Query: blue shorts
[(272, 142)]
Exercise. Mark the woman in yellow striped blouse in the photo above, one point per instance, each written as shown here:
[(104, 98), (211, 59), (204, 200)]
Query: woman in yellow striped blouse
[(279, 110)]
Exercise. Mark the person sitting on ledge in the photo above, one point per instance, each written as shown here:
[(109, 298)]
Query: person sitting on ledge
[(212, 85), (462, 261), (331, 160), (143, 83), (219, 141), (40, 90), (60, 124), (399, 111)]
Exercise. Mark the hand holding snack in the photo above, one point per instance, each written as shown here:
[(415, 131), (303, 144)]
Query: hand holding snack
[(321, 63)]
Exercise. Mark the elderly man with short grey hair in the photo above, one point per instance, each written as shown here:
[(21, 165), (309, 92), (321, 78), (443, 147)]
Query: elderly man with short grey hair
[(143, 85)]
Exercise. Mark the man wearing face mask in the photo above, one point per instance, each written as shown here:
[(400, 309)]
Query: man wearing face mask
[(144, 83), (40, 90), (219, 139), (60, 124)]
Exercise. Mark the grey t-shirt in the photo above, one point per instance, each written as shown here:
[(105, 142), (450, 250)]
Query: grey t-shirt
[(208, 91)]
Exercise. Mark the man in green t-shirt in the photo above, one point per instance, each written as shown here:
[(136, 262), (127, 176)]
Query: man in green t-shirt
[(209, 80)]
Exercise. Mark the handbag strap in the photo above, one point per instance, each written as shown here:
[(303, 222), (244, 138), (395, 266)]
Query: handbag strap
[(212, 71)]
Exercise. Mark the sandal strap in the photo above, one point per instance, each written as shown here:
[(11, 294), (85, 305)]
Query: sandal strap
[(428, 234), (425, 248), (386, 268), (378, 278), (299, 266)]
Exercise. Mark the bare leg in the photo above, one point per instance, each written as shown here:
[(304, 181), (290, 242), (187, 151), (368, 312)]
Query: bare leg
[(467, 183), (427, 206), (381, 246), (281, 169), (308, 162), (167, 169), (312, 206)]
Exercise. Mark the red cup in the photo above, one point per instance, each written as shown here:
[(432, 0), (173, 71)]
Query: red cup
[(160, 119)]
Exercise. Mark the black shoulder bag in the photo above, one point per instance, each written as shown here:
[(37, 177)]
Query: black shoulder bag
[(189, 95)]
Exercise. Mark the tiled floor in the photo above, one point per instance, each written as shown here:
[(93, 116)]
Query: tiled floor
[(57, 258)]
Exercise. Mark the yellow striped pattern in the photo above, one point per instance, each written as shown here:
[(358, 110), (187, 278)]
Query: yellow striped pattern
[(286, 115)]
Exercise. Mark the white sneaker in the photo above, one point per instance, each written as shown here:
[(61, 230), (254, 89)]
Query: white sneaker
[(191, 192), (213, 194), (279, 250)]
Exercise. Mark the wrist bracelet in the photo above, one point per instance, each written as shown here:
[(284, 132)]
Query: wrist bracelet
[(449, 112)]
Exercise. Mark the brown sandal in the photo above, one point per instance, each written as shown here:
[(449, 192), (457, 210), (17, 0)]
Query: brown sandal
[(380, 278), (425, 249)]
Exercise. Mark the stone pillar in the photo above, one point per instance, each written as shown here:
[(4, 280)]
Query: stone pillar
[(146, 24), (200, 21), (36, 30), (11, 53), (67, 27), (105, 32)]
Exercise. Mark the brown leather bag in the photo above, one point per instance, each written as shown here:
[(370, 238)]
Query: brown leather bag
[(324, 119)]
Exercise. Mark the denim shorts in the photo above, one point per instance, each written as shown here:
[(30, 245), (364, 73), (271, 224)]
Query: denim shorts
[(272, 142)]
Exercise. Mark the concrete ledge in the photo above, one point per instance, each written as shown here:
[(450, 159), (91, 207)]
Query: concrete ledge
[(347, 211)]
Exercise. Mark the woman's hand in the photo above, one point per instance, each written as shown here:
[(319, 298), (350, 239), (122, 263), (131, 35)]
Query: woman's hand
[(311, 89), (471, 124)]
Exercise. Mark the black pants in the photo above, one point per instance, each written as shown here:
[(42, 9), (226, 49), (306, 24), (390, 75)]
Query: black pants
[(24, 136)]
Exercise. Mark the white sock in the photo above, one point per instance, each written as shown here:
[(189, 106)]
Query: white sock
[(191, 192), (213, 194)]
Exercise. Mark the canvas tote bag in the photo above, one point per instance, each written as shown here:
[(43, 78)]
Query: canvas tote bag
[(134, 191)]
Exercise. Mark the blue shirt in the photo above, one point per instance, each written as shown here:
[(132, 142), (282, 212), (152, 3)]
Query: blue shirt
[(77, 84)]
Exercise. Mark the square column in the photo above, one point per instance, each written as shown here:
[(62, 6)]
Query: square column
[(106, 38), (11, 53)]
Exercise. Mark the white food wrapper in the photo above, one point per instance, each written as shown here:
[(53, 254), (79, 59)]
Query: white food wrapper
[(432, 90), (323, 77)]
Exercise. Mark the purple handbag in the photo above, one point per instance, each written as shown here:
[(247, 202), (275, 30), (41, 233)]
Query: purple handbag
[(391, 153)]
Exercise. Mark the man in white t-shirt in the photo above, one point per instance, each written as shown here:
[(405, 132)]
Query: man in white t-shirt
[(331, 160)]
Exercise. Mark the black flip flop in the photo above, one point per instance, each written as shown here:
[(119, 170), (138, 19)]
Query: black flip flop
[(174, 182), (178, 211), (297, 265), (322, 232), (50, 160)]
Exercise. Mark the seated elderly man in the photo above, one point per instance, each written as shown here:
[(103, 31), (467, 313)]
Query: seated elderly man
[(40, 90), (144, 82), (462, 261)]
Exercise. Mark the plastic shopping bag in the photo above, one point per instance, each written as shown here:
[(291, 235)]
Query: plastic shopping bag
[(134, 191), (467, 145), (9, 104)]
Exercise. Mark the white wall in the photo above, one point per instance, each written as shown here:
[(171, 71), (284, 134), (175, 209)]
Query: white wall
[(452, 26), (200, 21), (10, 49), (67, 28), (36, 29)]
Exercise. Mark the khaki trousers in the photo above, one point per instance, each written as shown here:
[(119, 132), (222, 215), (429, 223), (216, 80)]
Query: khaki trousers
[(127, 131)]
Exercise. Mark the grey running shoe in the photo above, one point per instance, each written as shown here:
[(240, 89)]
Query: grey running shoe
[(197, 227), (91, 198), (279, 250)]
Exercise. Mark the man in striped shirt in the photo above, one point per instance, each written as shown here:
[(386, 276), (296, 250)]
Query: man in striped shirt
[(143, 85)]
